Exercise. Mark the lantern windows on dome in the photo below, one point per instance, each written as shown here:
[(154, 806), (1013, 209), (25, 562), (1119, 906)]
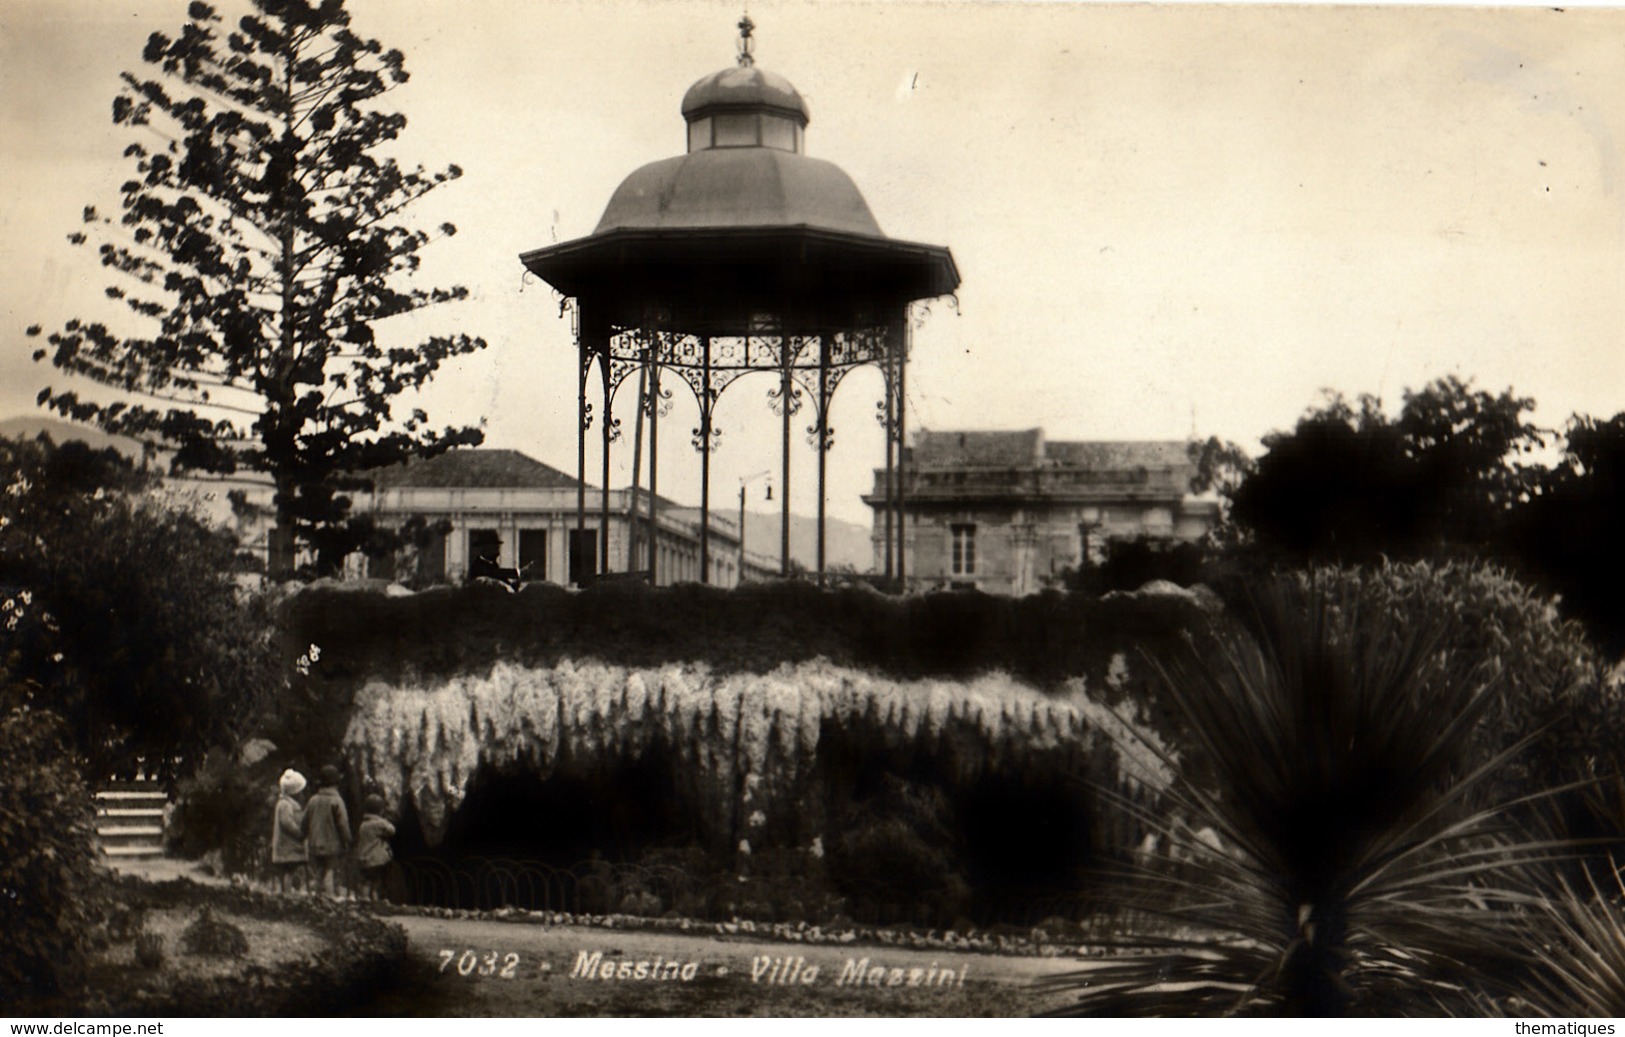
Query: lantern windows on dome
[(748, 129)]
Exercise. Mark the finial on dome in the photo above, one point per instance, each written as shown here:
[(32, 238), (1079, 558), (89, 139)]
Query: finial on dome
[(746, 27)]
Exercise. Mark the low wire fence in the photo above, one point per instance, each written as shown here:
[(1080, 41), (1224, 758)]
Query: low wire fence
[(600, 887), (588, 887)]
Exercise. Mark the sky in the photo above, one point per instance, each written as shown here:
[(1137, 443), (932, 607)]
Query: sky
[(1169, 219)]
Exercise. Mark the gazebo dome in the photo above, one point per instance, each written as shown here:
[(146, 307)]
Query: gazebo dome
[(735, 188), (744, 107), (743, 87), (744, 167), (744, 222)]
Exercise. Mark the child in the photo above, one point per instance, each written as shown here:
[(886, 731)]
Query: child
[(288, 854), (327, 831), (372, 852)]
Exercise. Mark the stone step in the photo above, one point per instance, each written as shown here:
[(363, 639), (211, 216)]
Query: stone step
[(142, 839), (120, 796), (153, 812), (133, 851), (115, 831)]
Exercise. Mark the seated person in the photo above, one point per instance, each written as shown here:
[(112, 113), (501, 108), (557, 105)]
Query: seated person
[(486, 567)]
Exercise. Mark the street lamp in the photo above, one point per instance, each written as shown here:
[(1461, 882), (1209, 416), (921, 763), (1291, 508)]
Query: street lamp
[(743, 479)]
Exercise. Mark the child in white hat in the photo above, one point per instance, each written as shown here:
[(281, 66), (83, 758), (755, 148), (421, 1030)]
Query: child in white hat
[(288, 855)]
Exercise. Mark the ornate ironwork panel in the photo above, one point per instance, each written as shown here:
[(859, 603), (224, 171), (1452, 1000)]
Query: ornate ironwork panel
[(584, 373), (816, 364)]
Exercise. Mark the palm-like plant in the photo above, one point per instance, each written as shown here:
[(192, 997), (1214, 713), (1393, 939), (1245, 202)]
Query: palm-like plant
[(1581, 971), (1325, 847)]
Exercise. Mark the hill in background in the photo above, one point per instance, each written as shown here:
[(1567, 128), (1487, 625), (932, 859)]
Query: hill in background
[(28, 426), (845, 543)]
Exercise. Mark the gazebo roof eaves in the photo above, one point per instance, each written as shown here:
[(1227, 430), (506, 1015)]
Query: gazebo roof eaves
[(549, 259)]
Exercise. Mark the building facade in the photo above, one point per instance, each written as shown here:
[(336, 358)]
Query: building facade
[(1009, 513), (505, 505)]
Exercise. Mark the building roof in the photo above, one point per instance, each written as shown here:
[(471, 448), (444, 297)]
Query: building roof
[(1027, 448), (1119, 455), (476, 469), (959, 467), (977, 448), (497, 469)]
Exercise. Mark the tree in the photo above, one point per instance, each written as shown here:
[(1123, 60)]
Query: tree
[(1220, 466), (1338, 485), (1349, 483), (1468, 448), (259, 236), (120, 613), (1569, 531)]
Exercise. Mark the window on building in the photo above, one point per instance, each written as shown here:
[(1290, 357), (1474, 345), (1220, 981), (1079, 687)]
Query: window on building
[(484, 543), (533, 554), (1088, 543), (583, 556), (381, 567), (964, 549), (484, 553), (431, 561)]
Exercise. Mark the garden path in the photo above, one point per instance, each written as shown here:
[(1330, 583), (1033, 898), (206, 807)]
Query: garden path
[(485, 967)]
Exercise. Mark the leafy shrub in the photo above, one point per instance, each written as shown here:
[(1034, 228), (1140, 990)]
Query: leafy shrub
[(1554, 693), (149, 950), (641, 902), (47, 857), (227, 807), (214, 937), (778, 885), (125, 922), (1130, 564), (1549, 668), (895, 859)]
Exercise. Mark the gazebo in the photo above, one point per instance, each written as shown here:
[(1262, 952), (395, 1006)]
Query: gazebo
[(743, 255)]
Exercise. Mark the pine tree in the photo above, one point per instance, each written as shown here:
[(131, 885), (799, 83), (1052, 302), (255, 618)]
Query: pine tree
[(259, 235)]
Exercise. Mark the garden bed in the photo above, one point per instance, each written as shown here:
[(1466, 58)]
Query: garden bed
[(304, 955)]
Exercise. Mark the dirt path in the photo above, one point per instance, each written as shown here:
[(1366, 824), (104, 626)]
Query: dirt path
[(474, 967)]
